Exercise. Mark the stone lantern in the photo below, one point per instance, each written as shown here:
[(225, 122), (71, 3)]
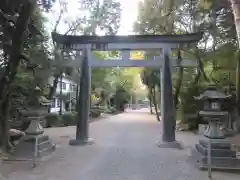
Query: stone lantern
[(213, 111), (222, 157), (35, 141)]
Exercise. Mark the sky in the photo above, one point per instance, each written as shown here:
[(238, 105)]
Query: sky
[(128, 16)]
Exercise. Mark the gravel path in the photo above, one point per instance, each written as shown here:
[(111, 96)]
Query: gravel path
[(125, 149)]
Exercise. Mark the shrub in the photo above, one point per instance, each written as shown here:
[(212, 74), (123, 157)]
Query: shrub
[(52, 119), (111, 110), (190, 107), (95, 113), (69, 118)]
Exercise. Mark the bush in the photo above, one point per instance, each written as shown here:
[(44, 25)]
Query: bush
[(69, 118), (52, 120), (190, 107), (95, 113), (111, 110)]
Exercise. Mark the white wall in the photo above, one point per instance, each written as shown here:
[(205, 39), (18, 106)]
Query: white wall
[(55, 106), (66, 88), (66, 85)]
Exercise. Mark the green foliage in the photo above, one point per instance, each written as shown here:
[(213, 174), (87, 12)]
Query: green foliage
[(69, 118), (188, 105), (99, 15), (111, 110), (216, 52), (151, 78), (34, 69), (99, 78), (119, 98), (19, 29), (122, 94), (95, 112), (105, 16), (52, 120), (46, 4)]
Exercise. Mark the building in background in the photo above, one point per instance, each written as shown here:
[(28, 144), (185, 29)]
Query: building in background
[(68, 95)]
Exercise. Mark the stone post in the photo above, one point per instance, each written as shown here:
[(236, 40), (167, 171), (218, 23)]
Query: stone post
[(168, 121), (84, 103)]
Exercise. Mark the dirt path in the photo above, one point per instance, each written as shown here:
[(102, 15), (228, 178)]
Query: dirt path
[(125, 149)]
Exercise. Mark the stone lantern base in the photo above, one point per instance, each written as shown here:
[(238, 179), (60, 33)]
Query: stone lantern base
[(34, 137), (222, 156)]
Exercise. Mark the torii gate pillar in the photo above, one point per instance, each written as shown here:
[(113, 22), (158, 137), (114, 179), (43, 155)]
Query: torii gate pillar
[(168, 118), (83, 105)]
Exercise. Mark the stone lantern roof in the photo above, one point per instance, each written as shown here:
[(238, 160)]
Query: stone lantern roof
[(212, 93)]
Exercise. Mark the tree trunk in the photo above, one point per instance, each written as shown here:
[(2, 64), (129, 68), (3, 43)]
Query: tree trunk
[(238, 83), (155, 102), (179, 81), (200, 70), (4, 126), (77, 90), (236, 11), (52, 90), (61, 100), (12, 66), (150, 100), (54, 86)]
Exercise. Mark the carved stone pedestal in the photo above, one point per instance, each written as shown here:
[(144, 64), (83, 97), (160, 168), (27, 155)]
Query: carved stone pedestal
[(222, 157), (34, 128), (214, 152), (34, 138)]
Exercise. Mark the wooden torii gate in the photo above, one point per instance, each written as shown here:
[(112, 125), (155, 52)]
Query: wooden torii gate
[(87, 44)]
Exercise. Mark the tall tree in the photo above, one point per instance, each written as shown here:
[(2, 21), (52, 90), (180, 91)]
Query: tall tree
[(104, 16), (16, 23), (235, 11), (61, 18)]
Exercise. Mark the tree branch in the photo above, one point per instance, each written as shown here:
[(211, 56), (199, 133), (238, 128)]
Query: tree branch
[(58, 21)]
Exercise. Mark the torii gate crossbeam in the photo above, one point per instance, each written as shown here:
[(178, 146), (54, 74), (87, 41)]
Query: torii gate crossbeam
[(158, 63)]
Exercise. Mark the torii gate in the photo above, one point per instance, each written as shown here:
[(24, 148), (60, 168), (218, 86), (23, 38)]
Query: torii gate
[(87, 44)]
